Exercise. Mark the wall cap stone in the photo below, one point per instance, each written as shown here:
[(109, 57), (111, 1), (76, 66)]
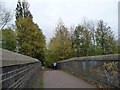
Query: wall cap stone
[(13, 58), (110, 57)]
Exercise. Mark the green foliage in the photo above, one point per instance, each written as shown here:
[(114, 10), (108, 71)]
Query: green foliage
[(88, 40), (85, 40), (60, 46), (30, 38), (105, 39), (81, 41), (50, 57), (8, 39)]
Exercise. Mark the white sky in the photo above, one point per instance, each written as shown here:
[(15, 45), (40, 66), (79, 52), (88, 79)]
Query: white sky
[(47, 12)]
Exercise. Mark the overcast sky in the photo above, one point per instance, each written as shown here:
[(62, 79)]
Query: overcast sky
[(46, 13)]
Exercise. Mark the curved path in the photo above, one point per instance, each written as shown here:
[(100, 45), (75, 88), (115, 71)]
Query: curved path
[(60, 79)]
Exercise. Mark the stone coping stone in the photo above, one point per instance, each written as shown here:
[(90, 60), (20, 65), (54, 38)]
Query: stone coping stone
[(12, 58), (110, 57)]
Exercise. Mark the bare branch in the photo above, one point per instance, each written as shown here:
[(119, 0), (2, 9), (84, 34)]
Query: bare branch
[(5, 16)]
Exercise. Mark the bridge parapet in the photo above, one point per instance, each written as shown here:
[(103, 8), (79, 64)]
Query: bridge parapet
[(17, 70), (103, 69)]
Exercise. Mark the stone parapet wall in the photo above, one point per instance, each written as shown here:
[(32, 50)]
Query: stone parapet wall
[(103, 69), (18, 71)]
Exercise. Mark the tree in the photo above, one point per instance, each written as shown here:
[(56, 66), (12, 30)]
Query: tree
[(64, 44), (8, 39), (60, 46), (51, 54), (81, 41), (30, 38), (22, 10), (89, 39), (5, 16), (118, 44), (91, 27), (105, 39)]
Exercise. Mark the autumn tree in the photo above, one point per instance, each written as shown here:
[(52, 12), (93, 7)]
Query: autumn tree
[(51, 54), (63, 40), (60, 46), (30, 39)]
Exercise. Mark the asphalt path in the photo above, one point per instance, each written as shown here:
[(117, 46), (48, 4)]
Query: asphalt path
[(61, 79)]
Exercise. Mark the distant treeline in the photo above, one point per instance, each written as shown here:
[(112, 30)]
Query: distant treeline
[(87, 39)]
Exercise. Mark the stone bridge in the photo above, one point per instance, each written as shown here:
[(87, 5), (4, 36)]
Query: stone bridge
[(20, 71)]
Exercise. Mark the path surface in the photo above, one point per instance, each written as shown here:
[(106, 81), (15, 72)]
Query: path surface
[(60, 79)]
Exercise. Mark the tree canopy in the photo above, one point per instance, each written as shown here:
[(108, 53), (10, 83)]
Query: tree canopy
[(86, 39), (30, 39), (60, 46), (22, 9), (8, 39)]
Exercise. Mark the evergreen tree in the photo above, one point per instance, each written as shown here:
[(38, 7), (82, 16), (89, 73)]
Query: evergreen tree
[(81, 41), (105, 40)]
